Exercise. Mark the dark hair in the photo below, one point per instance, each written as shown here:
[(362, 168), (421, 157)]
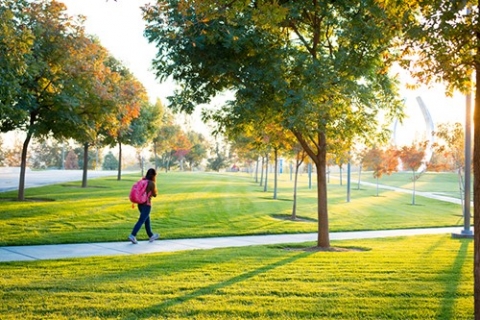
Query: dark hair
[(151, 173)]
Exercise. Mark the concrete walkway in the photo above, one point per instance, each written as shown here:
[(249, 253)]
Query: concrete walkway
[(9, 181), (61, 251), (9, 177)]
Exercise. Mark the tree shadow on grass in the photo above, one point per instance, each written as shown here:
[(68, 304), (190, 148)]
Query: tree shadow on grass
[(288, 217), (27, 199), (87, 187), (452, 280), (162, 307), (278, 199)]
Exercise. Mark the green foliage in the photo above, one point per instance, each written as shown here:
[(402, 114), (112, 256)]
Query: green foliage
[(110, 162), (198, 151), (276, 56), (442, 43), (47, 154), (15, 45), (417, 278), (43, 100), (143, 128), (218, 161), (57, 81), (164, 142), (445, 38), (93, 160), (316, 68)]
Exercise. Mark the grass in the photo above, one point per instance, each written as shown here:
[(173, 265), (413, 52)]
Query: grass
[(434, 182), (422, 277), (204, 205)]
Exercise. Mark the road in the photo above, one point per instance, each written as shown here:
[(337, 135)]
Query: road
[(9, 177)]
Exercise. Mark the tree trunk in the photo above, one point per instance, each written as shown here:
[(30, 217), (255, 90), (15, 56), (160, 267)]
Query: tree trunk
[(261, 171), (256, 170), (413, 193), (295, 184), (319, 157), (155, 156), (341, 176), (166, 163), (119, 173), (275, 177), (266, 174), (85, 165), (359, 175), (23, 167), (323, 240), (291, 171)]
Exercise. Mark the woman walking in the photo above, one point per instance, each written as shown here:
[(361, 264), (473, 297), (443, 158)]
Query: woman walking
[(145, 208)]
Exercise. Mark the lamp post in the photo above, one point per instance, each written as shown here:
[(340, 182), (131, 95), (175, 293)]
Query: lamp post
[(467, 232), (468, 147)]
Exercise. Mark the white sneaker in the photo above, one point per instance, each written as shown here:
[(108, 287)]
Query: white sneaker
[(154, 237), (133, 239)]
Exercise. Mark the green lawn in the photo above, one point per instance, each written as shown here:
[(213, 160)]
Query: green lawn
[(421, 277), (434, 182), (204, 205)]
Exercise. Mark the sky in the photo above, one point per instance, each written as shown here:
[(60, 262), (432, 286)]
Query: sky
[(119, 26)]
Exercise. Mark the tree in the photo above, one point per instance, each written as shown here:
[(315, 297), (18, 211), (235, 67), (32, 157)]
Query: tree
[(52, 81), (198, 150), (71, 161), (358, 154), (219, 161), (129, 98), (164, 117), (38, 86), (181, 148), (85, 159), (141, 129), (319, 66), (300, 156), (110, 162), (243, 144), (15, 44), (444, 39), (413, 158), (381, 161), (97, 99), (47, 153), (164, 142), (451, 149), (279, 139), (340, 158), (13, 154)]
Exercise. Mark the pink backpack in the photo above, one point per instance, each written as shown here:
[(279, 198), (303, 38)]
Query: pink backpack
[(138, 193)]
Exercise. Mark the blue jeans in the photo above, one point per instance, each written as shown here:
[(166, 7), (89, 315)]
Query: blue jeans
[(143, 219)]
